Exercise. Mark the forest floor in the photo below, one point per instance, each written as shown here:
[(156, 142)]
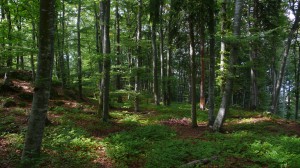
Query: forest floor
[(157, 137)]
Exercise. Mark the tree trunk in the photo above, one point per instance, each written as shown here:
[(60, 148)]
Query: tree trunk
[(202, 81), (233, 55), (118, 76), (223, 45), (193, 72), (154, 63), (34, 135), (297, 74), (253, 59), (274, 106), (211, 89), (9, 61), (32, 53), (61, 52), (106, 60), (79, 59), (100, 60), (138, 61), (162, 58)]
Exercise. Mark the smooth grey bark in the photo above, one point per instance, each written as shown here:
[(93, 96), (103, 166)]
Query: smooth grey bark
[(9, 61), (62, 49), (79, 59), (32, 52), (162, 57), (233, 55), (34, 134), (138, 60), (223, 33), (202, 63), (100, 51), (253, 58), (193, 72), (118, 76), (297, 74), (211, 87), (295, 26), (106, 60), (154, 63)]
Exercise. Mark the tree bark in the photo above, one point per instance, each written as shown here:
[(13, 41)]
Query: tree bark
[(193, 72), (62, 49), (202, 81), (79, 59), (106, 60), (34, 135), (295, 26), (253, 59), (138, 60), (212, 61), (32, 53), (233, 55), (162, 58), (154, 63), (223, 44), (118, 76), (9, 61), (297, 74)]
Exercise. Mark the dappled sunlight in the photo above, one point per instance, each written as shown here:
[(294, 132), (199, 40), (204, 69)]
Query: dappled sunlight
[(253, 120), (26, 86)]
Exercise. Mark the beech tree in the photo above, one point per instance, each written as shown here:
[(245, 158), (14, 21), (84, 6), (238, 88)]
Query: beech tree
[(233, 56), (35, 131)]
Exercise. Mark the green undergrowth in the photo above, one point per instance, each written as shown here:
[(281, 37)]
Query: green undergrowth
[(249, 139)]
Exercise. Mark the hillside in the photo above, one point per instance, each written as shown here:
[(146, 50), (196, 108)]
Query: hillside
[(156, 137)]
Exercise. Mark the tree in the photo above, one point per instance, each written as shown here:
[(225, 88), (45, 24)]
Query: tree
[(211, 90), (154, 18), (106, 60), (79, 59), (233, 56), (34, 134), (295, 26), (118, 76), (192, 70), (138, 60)]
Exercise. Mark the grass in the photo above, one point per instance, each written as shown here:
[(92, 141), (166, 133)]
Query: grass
[(79, 138)]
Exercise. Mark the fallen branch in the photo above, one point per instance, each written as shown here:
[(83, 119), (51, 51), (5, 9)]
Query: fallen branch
[(199, 162)]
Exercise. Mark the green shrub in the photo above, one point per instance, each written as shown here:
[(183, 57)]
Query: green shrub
[(128, 147)]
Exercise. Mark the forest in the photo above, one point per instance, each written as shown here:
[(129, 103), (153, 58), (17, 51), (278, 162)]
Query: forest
[(149, 83)]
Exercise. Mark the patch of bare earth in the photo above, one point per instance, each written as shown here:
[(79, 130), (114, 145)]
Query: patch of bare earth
[(183, 128)]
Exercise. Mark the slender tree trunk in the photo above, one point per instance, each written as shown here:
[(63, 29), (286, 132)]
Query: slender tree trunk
[(99, 38), (62, 49), (162, 58), (212, 61), (202, 81), (34, 135), (106, 60), (233, 55), (274, 106), (154, 63), (138, 61), (9, 61), (32, 53), (79, 59), (118, 76), (193, 72), (253, 59), (297, 74), (223, 45)]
